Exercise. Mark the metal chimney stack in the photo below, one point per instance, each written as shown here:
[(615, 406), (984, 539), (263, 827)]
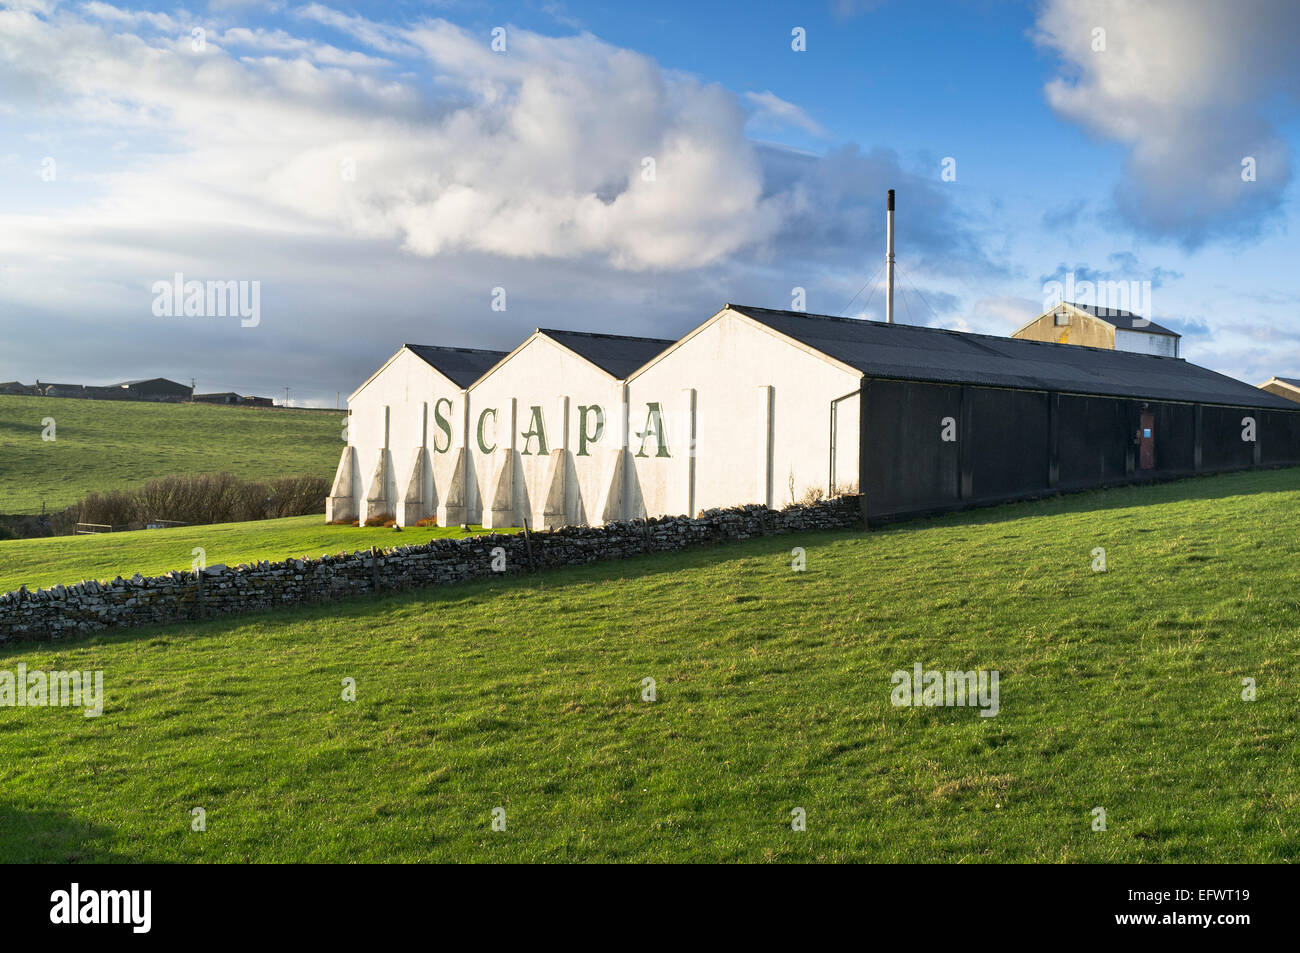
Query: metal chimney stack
[(889, 261)]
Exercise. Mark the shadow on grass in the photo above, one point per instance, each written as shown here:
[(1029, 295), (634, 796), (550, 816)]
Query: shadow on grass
[(1185, 489), (42, 836), (613, 572)]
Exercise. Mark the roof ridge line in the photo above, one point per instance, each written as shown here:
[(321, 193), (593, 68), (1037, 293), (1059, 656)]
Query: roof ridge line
[(449, 347), (604, 334), (923, 327)]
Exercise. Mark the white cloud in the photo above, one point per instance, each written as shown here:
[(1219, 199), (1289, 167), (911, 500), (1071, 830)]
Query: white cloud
[(1187, 86), (111, 14), (472, 169), (279, 41), (771, 108), (540, 152), (377, 36)]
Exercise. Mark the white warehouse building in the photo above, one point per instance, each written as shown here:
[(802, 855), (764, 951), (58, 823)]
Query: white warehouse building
[(774, 407), (584, 428), (753, 415), (548, 445), (405, 438)]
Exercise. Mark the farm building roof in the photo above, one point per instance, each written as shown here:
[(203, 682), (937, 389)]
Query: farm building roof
[(150, 380), (460, 365), (616, 354), (909, 352), (1289, 381), (1126, 320)]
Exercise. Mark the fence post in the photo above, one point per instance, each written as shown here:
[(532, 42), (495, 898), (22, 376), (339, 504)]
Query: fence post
[(374, 567), (203, 609)]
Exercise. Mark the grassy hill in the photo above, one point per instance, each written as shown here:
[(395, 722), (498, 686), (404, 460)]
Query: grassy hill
[(66, 559), (1119, 690), (105, 445)]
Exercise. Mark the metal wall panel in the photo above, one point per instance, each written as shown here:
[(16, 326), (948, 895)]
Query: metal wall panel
[(906, 462), (1016, 444), (1007, 442), (1093, 440), (1221, 429), (1175, 436), (1279, 436)]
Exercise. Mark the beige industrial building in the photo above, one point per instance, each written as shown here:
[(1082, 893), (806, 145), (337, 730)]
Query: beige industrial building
[(1091, 326), (1287, 387)]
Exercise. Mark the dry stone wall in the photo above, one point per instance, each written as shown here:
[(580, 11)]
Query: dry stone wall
[(64, 611)]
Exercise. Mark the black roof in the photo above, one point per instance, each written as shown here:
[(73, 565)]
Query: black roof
[(616, 354), (1294, 382), (460, 365), (1124, 319), (150, 380), (908, 352)]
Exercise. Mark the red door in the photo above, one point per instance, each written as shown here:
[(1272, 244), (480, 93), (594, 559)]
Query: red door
[(1146, 439)]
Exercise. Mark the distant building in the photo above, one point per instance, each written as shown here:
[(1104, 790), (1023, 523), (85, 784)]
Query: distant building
[(109, 392), (1288, 387), (233, 399), (1091, 326), (60, 390), (156, 389)]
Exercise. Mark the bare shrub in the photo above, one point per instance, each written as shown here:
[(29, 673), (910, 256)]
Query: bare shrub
[(200, 499), (297, 496), (811, 495), (114, 508)]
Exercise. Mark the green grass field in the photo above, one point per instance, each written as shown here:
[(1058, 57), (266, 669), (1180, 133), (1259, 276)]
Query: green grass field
[(65, 559), (1119, 690), (111, 445)]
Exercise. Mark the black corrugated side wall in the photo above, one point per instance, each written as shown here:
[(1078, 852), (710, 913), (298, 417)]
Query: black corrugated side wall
[(927, 448)]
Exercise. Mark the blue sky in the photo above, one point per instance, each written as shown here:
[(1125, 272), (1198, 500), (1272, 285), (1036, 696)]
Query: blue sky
[(475, 169)]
